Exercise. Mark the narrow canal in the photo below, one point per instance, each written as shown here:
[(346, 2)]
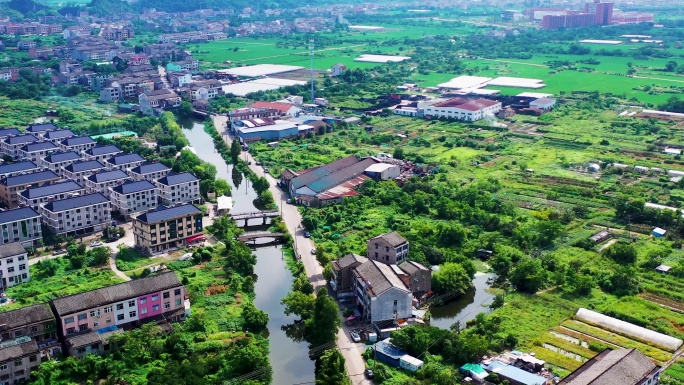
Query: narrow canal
[(465, 308), (288, 356)]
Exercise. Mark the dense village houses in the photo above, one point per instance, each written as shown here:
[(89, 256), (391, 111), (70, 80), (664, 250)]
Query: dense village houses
[(12, 144), (167, 228), (124, 162), (78, 144), (12, 186), (17, 168), (103, 181), (37, 151), (34, 197), (56, 137), (21, 225), (78, 215), (35, 323), (150, 171), (80, 170), (41, 128), (102, 153), (133, 197), (58, 161), (178, 188)]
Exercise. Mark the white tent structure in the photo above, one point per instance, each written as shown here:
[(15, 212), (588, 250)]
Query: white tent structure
[(637, 332)]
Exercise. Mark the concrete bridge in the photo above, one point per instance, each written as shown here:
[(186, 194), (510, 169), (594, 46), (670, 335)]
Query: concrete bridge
[(255, 214), (252, 237)]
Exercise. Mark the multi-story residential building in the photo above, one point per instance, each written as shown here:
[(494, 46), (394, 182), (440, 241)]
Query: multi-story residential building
[(7, 132), (12, 186), (35, 152), (34, 197), (417, 277), (149, 171), (102, 153), (18, 360), (342, 281), (155, 102), (134, 197), (390, 248), (21, 225), (178, 188), (103, 181), (380, 294), (18, 168), (124, 162), (58, 161), (13, 268), (124, 306), (78, 144), (78, 215), (12, 144), (57, 136), (41, 128), (111, 94), (80, 170), (469, 110), (25, 45), (35, 322), (167, 228)]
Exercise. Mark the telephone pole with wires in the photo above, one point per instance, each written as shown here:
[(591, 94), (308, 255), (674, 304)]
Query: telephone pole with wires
[(311, 57)]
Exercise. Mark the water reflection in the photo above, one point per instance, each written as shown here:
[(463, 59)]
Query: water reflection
[(466, 307)]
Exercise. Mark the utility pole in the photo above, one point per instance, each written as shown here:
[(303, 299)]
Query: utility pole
[(311, 56)]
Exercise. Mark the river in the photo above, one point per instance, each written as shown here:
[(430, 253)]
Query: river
[(289, 358), (465, 308)]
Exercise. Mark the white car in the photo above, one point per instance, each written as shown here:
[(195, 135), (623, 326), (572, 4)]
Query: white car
[(95, 244), (355, 336), (313, 251)]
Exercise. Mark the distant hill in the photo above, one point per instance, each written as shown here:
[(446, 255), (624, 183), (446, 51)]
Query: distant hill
[(191, 5), (24, 6)]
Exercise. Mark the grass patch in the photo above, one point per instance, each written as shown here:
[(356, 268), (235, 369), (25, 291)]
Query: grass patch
[(556, 359), (565, 345), (130, 259)]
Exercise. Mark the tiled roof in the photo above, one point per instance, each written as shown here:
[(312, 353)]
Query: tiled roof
[(282, 107), (84, 165), (16, 167), (10, 250), (17, 214), (16, 351), (58, 157), (26, 315), (165, 213), (173, 179), (411, 267), (621, 366), (133, 187), (148, 168), (341, 176), (323, 171), (26, 179), (19, 139), (59, 134), (379, 277), (51, 189), (350, 260), (103, 150), (9, 131), (77, 141), (115, 293), (40, 127), (125, 159), (393, 238), (39, 146), (106, 176), (89, 338), (76, 202)]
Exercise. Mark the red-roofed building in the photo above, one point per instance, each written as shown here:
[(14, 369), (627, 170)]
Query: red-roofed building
[(469, 110), (284, 108)]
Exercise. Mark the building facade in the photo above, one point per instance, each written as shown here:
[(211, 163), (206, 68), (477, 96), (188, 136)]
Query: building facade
[(21, 225), (13, 266), (150, 171), (35, 197), (380, 293), (80, 170), (102, 182), (178, 188), (390, 248), (133, 197), (11, 187), (77, 215), (58, 161), (167, 228)]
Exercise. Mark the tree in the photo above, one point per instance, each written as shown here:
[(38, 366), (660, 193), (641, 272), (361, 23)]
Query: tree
[(322, 327), (331, 370), (529, 276), (235, 151), (221, 187), (255, 319), (620, 252), (671, 66), (186, 109), (299, 303), (451, 278), (248, 284), (98, 256)]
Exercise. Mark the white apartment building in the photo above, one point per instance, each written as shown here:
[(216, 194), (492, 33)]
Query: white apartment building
[(12, 144), (34, 197), (13, 265), (103, 181), (35, 152), (102, 153), (463, 109), (134, 196), (150, 171), (78, 144), (78, 215), (177, 188), (58, 161), (124, 162), (80, 170), (21, 225)]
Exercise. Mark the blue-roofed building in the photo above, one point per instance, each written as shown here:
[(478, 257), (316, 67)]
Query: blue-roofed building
[(18, 168), (102, 153), (150, 171), (268, 130), (178, 188), (12, 144), (168, 228), (58, 136), (58, 161), (103, 181), (79, 144), (35, 152), (390, 354), (124, 162), (34, 197), (37, 128), (79, 215), (134, 197), (12, 186), (21, 225), (80, 170), (514, 375), (5, 132)]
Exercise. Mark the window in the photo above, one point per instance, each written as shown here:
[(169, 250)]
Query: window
[(167, 305), (109, 320), (119, 306), (83, 316), (83, 327), (395, 302), (71, 330), (3, 367), (131, 303), (178, 302), (10, 260), (34, 329), (68, 320), (166, 295), (155, 308), (132, 314), (108, 309), (177, 292), (10, 269), (18, 362), (143, 310), (94, 313), (95, 324), (120, 317), (19, 372), (155, 297), (4, 376), (143, 300), (22, 266), (17, 333)]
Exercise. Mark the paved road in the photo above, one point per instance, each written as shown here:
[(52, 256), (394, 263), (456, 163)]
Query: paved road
[(303, 246)]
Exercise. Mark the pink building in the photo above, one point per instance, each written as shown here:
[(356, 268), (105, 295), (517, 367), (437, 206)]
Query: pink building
[(86, 320)]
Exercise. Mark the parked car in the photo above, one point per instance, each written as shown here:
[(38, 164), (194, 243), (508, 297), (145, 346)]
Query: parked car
[(313, 251), (307, 234), (369, 374), (266, 170), (95, 244), (58, 252), (355, 336)]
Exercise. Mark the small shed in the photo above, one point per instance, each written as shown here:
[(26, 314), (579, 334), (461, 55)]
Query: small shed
[(594, 167), (600, 236), (658, 232), (474, 371), (386, 352), (224, 204), (410, 363), (641, 169), (383, 171), (484, 254), (663, 269)]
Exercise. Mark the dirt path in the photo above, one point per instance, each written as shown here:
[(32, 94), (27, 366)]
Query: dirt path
[(607, 245), (119, 273)]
